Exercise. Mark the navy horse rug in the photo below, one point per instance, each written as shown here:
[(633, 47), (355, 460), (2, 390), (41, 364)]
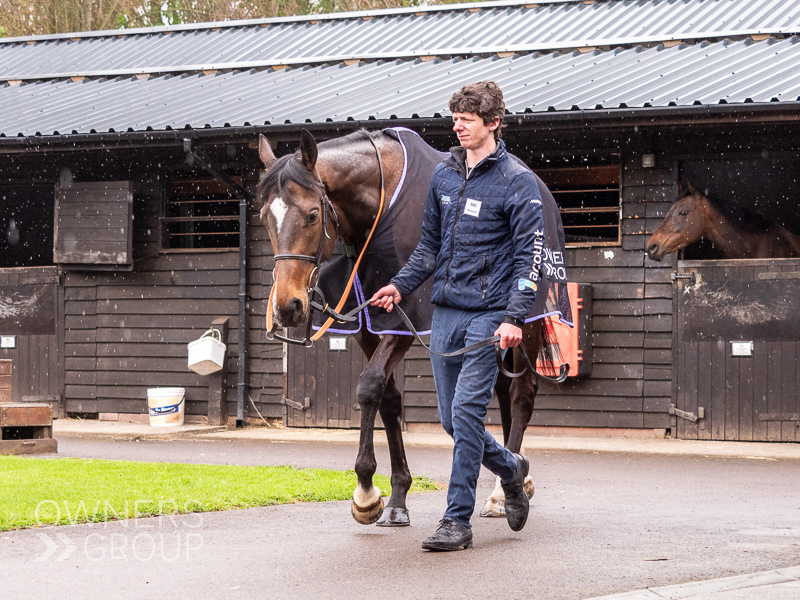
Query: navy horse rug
[(397, 235)]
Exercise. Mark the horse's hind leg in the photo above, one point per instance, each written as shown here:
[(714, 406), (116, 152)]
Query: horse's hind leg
[(495, 504), (516, 398), (384, 354)]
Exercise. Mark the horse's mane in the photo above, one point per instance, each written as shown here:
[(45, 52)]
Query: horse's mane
[(288, 168), (741, 217)]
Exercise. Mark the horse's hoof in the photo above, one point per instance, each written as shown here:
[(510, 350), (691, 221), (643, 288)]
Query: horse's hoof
[(394, 517), (367, 506), (528, 487), (494, 507)]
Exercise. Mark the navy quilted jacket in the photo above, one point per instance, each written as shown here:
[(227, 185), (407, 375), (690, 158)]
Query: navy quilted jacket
[(482, 236)]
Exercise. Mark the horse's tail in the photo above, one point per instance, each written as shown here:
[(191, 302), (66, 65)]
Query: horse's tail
[(549, 361)]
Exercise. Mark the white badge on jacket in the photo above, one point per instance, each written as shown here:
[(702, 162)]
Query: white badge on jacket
[(472, 208)]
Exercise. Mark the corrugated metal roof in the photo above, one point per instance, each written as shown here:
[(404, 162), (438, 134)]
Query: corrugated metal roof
[(680, 75), (479, 28)]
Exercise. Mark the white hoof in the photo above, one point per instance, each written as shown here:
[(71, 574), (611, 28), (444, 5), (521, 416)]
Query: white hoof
[(367, 506), (496, 504), (528, 487), (494, 507)]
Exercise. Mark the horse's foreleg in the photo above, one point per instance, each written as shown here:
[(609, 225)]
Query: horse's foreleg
[(395, 514), (384, 354)]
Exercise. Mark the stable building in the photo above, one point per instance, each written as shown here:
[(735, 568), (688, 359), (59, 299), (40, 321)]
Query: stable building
[(128, 164)]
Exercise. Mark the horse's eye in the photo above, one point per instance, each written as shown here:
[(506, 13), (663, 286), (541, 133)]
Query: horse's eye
[(683, 213), (313, 217)]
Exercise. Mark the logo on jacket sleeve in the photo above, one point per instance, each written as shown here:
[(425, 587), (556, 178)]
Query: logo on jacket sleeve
[(472, 208), (523, 283), (445, 199)]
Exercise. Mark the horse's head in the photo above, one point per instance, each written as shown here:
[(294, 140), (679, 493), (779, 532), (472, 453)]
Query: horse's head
[(685, 223), (294, 209)]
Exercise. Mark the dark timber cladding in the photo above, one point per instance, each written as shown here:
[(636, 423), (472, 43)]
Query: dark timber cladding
[(118, 244), (126, 332), (630, 382)]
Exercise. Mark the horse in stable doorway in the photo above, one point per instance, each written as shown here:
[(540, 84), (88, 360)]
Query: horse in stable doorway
[(345, 188), (735, 231)]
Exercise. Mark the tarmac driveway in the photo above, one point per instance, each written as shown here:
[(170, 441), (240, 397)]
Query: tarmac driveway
[(600, 523)]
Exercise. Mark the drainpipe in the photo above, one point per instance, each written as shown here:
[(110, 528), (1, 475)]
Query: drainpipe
[(240, 404)]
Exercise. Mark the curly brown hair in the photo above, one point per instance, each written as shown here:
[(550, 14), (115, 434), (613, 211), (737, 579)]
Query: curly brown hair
[(484, 99)]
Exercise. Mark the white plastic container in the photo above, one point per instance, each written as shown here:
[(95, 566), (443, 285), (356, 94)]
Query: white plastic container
[(207, 354), (166, 406)]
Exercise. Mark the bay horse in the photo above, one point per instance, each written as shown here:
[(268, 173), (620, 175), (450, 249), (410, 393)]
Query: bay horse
[(307, 200), (735, 231)]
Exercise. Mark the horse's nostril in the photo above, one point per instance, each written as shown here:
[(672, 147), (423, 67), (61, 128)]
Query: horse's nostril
[(291, 313), (296, 307), (651, 249)]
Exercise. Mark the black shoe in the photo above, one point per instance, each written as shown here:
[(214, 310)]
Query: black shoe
[(517, 504), (450, 535)]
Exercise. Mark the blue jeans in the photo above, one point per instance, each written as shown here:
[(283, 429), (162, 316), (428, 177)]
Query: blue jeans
[(464, 387)]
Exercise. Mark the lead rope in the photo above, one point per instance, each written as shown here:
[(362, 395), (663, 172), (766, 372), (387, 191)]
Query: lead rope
[(350, 281), (498, 352)]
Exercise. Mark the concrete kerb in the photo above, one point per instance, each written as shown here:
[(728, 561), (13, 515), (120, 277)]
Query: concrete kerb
[(779, 584), (118, 431), (126, 432)]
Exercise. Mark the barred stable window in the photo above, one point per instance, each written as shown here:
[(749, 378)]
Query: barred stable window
[(588, 198), (199, 213)]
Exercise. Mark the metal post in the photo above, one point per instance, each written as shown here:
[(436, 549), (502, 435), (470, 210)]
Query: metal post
[(217, 400)]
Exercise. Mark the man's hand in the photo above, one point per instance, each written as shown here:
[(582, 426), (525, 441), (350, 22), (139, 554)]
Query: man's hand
[(386, 297), (510, 335)]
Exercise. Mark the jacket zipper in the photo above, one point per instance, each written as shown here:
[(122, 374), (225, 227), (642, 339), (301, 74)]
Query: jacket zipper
[(455, 224)]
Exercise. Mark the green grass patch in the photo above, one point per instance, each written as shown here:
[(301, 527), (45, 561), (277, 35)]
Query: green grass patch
[(72, 490)]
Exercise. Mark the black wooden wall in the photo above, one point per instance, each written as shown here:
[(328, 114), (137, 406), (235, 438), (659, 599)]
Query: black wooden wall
[(127, 331), (630, 384)]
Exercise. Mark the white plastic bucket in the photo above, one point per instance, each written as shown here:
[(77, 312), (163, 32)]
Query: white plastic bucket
[(166, 406), (207, 354)]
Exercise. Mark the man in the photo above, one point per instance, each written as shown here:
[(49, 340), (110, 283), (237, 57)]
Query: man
[(482, 217)]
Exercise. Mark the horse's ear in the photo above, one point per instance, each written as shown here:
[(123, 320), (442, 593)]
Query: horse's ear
[(265, 152), (681, 186), (689, 187), (308, 150)]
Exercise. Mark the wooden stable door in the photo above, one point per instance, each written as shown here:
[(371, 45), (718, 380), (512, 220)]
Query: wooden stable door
[(321, 384), (736, 373), (29, 316)]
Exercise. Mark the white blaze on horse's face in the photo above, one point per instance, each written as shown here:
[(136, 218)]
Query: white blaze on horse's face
[(278, 208), (294, 221)]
